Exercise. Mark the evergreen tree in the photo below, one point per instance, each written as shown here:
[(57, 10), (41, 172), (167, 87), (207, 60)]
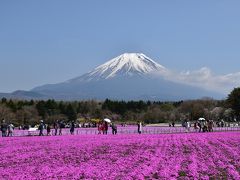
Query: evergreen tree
[(233, 101), (41, 108), (4, 100), (12, 105), (62, 107), (71, 113)]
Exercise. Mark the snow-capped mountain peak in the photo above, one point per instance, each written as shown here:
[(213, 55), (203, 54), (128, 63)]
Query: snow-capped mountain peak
[(130, 76), (127, 64)]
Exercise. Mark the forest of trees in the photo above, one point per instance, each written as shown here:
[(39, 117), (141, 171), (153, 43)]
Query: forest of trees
[(23, 112)]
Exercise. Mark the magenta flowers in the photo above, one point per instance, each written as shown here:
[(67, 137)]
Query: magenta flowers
[(169, 156)]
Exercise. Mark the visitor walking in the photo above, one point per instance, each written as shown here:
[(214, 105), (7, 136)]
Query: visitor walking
[(114, 129), (222, 123), (200, 125), (100, 127), (205, 127), (210, 126), (10, 129), (41, 128), (105, 127), (61, 126), (196, 126), (48, 130), (188, 125), (55, 126), (72, 126), (139, 124), (4, 128)]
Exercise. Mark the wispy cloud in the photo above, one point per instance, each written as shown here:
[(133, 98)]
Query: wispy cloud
[(206, 79)]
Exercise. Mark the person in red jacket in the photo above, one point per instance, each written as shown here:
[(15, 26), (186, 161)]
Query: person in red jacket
[(100, 127), (105, 127)]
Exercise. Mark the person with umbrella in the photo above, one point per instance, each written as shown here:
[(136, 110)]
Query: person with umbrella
[(105, 125), (201, 124)]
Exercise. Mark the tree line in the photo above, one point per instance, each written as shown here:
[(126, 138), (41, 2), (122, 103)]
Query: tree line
[(22, 112)]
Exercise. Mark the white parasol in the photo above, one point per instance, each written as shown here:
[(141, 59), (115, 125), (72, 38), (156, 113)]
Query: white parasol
[(107, 120), (201, 119), (32, 129)]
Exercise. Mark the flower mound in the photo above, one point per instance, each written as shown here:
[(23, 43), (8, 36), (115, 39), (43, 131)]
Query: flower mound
[(169, 156)]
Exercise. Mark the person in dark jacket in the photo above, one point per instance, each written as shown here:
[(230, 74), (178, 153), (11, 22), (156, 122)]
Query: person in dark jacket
[(61, 126), (199, 124), (72, 126), (55, 126), (41, 128), (114, 129), (4, 128), (48, 130)]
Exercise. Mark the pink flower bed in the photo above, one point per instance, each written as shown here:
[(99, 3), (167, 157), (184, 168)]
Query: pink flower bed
[(122, 130), (163, 156)]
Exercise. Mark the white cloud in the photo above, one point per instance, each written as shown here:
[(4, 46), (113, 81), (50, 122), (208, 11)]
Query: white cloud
[(206, 79)]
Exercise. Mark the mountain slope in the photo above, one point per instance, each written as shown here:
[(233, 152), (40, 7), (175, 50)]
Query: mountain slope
[(125, 88), (20, 94), (130, 76)]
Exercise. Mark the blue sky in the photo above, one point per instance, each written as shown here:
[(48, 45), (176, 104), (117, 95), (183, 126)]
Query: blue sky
[(52, 41)]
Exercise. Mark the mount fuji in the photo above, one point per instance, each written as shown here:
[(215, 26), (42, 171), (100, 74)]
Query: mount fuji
[(128, 64), (130, 76)]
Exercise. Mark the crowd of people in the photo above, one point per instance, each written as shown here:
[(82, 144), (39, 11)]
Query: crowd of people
[(7, 129), (103, 127), (58, 125), (199, 126), (204, 126)]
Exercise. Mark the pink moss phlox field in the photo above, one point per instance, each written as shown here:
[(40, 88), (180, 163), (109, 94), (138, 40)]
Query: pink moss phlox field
[(163, 156), (130, 129)]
